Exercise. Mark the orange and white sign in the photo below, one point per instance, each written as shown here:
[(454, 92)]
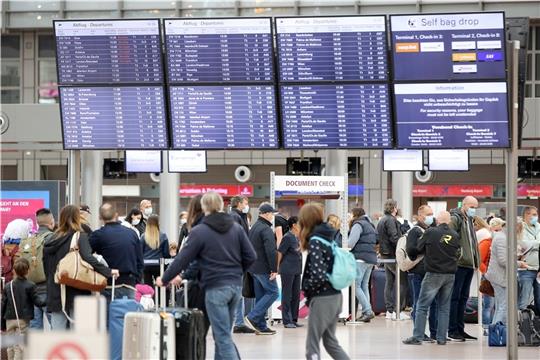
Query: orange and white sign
[(459, 57), (408, 47)]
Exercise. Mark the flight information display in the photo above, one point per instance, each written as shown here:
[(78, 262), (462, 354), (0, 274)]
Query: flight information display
[(219, 50), (349, 48), (108, 51), (223, 117), (113, 117), (448, 46), (336, 116), (451, 115)]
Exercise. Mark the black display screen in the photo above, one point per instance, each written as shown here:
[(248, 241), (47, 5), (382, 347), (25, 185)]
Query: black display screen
[(108, 52)]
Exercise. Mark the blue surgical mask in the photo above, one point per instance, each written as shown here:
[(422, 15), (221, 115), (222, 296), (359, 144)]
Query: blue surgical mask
[(534, 220), (471, 212), (429, 220)]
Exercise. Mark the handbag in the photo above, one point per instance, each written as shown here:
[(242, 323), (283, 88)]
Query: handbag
[(486, 288), (73, 271), (248, 288)]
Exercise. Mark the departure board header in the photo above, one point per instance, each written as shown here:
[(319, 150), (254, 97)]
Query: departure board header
[(332, 49), (219, 50), (115, 52)]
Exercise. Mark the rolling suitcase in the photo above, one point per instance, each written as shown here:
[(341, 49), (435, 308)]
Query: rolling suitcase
[(149, 335), (378, 281)]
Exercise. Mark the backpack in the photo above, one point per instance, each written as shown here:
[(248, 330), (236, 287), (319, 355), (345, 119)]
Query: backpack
[(529, 328), (32, 250), (344, 268), (403, 260), (497, 334)]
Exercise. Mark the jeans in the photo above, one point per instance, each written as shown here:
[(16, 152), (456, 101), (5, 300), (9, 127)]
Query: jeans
[(239, 314), (323, 317), (500, 304), (416, 286), (488, 307), (290, 298), (119, 293), (460, 295), (221, 304), (363, 274), (528, 287), (59, 321), (266, 292), (434, 286), (37, 321), (389, 288)]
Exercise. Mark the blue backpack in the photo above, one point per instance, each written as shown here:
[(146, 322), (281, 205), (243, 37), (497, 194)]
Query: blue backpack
[(497, 334), (344, 268)]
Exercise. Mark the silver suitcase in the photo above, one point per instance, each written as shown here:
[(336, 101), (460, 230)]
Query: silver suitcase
[(149, 335)]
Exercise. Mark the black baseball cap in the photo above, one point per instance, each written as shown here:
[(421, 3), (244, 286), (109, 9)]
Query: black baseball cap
[(85, 208), (266, 208)]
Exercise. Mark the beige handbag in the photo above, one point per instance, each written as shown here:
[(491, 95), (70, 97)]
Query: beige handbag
[(73, 271)]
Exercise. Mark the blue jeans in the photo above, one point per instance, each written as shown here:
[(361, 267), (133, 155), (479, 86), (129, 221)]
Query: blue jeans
[(59, 321), (460, 295), (119, 293), (37, 321), (434, 286), (528, 287), (416, 286), (266, 292), (239, 314), (363, 274), (500, 304), (488, 307), (220, 307)]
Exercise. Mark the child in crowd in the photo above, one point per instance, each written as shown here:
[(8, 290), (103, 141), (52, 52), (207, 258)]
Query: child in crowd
[(18, 300)]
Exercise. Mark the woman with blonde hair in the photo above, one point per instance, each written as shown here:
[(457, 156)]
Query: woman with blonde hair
[(324, 301), (155, 246), (334, 221)]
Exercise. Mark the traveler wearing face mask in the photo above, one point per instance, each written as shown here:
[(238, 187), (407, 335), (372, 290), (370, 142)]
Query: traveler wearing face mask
[(146, 209), (183, 227), (424, 221), (132, 220), (462, 223), (529, 243)]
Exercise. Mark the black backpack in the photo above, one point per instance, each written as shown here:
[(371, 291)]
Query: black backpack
[(528, 328)]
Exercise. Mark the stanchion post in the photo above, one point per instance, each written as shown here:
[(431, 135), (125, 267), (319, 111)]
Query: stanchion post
[(398, 292)]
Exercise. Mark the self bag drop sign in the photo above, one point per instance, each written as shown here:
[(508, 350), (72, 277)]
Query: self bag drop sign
[(309, 184)]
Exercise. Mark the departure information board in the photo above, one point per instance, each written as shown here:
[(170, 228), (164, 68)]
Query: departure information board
[(113, 117), (108, 52), (448, 46), (348, 48), (451, 115), (336, 116), (219, 50), (223, 117)]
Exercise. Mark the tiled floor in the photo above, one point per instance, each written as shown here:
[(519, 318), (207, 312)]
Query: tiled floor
[(381, 339)]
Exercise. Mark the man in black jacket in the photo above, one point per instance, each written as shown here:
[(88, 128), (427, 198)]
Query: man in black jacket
[(442, 248), (425, 220), (389, 232), (264, 270), (239, 211)]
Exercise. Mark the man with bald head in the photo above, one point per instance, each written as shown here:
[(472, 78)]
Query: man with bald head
[(462, 222), (121, 249), (441, 245)]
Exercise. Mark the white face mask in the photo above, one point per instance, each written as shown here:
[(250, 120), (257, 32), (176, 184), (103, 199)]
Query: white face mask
[(135, 222), (246, 209), (148, 211), (183, 222)]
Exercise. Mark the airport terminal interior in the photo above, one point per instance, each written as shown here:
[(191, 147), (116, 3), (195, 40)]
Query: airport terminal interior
[(382, 111)]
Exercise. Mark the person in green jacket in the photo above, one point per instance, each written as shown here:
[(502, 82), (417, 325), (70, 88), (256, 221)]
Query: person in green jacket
[(462, 223)]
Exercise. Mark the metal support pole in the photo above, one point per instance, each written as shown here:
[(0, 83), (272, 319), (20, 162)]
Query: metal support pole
[(511, 210), (169, 201), (92, 183), (74, 177), (398, 293)]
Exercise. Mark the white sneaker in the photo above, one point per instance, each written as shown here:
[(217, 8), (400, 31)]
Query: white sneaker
[(403, 316), (390, 315)]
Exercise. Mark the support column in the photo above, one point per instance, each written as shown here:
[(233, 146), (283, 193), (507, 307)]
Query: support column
[(375, 183), (74, 177), (336, 165), (92, 183), (169, 201), (402, 188)]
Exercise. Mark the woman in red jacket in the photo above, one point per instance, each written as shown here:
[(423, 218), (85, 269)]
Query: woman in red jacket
[(483, 234)]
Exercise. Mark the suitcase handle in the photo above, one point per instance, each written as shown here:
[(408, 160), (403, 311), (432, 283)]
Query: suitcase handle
[(113, 287), (185, 283)]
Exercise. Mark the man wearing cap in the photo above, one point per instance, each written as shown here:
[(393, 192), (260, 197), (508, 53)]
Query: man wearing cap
[(85, 217), (264, 270)]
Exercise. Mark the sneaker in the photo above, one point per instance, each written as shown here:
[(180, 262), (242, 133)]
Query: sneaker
[(289, 326), (250, 324), (298, 325), (428, 339), (266, 331), (468, 337), (243, 329), (404, 316), (412, 341), (366, 318), (439, 342), (456, 337), (390, 315)]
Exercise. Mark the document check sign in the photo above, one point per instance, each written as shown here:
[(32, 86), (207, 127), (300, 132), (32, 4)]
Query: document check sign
[(310, 184)]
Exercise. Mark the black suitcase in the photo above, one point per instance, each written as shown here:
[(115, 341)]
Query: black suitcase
[(378, 281)]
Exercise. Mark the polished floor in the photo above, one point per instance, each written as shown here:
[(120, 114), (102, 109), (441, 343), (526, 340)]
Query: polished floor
[(381, 339)]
